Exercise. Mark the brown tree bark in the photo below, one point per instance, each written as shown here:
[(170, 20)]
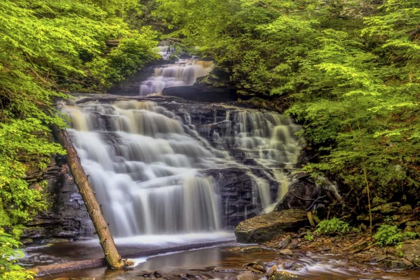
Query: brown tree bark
[(105, 238)]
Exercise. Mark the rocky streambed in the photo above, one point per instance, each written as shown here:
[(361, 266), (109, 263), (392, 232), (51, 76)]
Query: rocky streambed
[(244, 263)]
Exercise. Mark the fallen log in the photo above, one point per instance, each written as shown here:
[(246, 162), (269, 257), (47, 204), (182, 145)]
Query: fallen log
[(101, 226)]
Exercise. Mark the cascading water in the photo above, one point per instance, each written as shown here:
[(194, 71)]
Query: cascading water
[(143, 169), (268, 139), (182, 73), (147, 163)]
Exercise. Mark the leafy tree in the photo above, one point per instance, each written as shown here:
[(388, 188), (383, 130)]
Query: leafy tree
[(349, 69), (48, 48)]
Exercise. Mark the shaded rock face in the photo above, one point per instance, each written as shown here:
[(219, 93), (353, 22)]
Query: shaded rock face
[(304, 193), (202, 93), (237, 191), (67, 218), (263, 228)]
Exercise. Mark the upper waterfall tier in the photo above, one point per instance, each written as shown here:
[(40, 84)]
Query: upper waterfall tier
[(182, 73), (146, 162)]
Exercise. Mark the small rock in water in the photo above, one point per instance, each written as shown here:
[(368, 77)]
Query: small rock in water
[(272, 270), (286, 252), (250, 249), (282, 275), (283, 244), (248, 275), (227, 270), (256, 268), (293, 266)]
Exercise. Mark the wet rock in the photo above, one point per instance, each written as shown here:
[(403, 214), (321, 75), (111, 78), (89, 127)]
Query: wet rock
[(293, 266), (248, 275), (263, 228), (394, 264), (227, 270), (202, 93), (286, 252), (282, 275), (250, 249), (406, 209), (236, 188), (411, 251), (305, 193), (272, 270), (155, 274), (256, 267), (294, 244), (387, 208), (377, 259), (283, 244), (35, 232)]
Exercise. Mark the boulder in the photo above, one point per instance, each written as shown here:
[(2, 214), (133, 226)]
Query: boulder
[(263, 228), (411, 251)]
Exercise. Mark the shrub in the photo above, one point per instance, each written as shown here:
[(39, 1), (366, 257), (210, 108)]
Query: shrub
[(388, 235), (333, 226)]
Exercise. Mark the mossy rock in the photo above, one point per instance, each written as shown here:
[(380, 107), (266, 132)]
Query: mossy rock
[(387, 208), (405, 209), (411, 251), (378, 201)]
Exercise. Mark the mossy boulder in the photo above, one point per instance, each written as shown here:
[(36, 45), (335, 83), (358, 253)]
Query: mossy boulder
[(405, 209), (378, 201), (387, 208), (411, 251), (263, 228)]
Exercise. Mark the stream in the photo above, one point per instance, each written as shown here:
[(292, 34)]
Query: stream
[(164, 170)]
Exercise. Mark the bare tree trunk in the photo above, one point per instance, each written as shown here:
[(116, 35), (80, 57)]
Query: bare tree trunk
[(105, 238)]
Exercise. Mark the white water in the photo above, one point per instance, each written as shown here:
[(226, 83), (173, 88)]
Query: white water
[(145, 168), (269, 139), (182, 73), (144, 161), (142, 168)]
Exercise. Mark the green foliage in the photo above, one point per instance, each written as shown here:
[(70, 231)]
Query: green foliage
[(388, 235), (9, 270), (333, 226), (349, 69), (308, 236), (46, 49)]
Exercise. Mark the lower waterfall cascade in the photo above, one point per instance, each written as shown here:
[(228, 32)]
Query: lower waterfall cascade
[(147, 159), (145, 162)]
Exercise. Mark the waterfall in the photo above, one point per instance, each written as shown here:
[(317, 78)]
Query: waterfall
[(182, 73), (147, 162), (144, 169)]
